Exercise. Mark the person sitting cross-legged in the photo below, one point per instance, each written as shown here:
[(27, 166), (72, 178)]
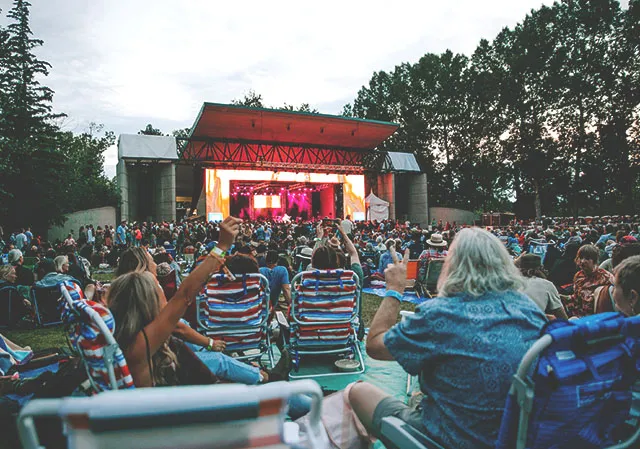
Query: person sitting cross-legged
[(465, 345)]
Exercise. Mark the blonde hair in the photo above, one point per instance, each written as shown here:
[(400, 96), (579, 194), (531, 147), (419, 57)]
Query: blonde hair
[(134, 302), (59, 262), (4, 271), (478, 263)]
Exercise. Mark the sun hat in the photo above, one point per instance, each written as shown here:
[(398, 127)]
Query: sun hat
[(334, 243), (306, 253), (436, 240)]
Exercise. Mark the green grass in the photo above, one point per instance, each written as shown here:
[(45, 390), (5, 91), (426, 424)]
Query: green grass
[(54, 337), (40, 338), (103, 277)]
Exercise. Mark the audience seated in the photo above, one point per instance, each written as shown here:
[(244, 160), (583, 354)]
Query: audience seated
[(77, 270), (586, 281), (465, 345), (24, 276), (538, 288), (20, 306)]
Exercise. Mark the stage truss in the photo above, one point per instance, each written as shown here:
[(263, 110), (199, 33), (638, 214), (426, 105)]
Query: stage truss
[(275, 156)]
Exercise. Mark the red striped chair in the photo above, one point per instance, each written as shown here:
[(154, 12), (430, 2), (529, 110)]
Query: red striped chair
[(90, 329), (237, 312), (324, 316)]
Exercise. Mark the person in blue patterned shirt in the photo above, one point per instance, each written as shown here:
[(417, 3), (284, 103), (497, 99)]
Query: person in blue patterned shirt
[(464, 345)]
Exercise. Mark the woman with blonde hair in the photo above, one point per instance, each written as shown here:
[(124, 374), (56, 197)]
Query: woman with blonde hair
[(145, 321), (465, 344)]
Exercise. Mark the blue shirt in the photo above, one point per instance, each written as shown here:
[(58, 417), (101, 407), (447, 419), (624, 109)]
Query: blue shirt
[(277, 277), (466, 351), (121, 235), (386, 259)]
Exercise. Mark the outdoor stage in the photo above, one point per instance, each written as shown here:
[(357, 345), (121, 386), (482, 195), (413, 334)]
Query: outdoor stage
[(271, 163)]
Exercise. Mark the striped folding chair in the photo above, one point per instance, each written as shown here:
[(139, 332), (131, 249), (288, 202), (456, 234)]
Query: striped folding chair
[(90, 329), (188, 417), (324, 316), (237, 312)]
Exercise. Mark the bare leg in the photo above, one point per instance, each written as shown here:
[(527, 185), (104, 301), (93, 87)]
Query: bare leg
[(364, 398), (89, 291)]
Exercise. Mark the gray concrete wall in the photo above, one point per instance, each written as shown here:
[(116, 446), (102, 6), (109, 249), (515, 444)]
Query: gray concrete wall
[(97, 217), (450, 214), (387, 192), (122, 179), (418, 207), (165, 192)]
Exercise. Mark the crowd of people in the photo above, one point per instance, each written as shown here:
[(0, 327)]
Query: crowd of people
[(497, 289)]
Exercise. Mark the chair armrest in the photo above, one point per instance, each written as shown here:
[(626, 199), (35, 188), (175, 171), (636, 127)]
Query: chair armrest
[(403, 436)]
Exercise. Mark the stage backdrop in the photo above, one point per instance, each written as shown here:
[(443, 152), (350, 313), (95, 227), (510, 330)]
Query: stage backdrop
[(218, 192)]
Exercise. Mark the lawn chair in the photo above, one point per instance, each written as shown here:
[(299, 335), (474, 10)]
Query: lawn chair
[(412, 272), (30, 262), (539, 247), (237, 312), (324, 314), (578, 396), (9, 297), (45, 304), (90, 329), (434, 268), (189, 417)]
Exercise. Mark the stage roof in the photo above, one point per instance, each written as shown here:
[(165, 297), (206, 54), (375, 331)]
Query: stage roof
[(231, 123)]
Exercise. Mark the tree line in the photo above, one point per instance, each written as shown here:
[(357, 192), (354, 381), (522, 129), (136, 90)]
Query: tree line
[(547, 114), (45, 171)]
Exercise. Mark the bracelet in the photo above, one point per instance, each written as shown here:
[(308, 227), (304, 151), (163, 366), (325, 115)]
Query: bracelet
[(394, 294), (210, 347), (217, 251)]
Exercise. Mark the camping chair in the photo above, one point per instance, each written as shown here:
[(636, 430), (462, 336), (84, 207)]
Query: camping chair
[(324, 314), (578, 395), (538, 247), (429, 280), (8, 295), (187, 417), (90, 329), (412, 272), (237, 312), (45, 303)]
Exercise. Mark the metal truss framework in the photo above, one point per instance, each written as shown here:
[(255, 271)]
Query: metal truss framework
[(275, 156)]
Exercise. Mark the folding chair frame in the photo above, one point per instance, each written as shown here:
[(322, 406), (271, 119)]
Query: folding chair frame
[(109, 350), (175, 406), (34, 300), (12, 291), (264, 347), (353, 320)]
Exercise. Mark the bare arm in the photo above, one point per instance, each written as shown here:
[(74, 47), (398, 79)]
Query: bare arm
[(161, 328), (386, 316), (286, 291), (349, 246)]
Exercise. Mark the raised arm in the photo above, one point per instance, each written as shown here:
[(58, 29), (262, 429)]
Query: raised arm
[(387, 315), (165, 323), (349, 246)]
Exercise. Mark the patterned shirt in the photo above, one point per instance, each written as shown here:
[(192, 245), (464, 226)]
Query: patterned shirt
[(466, 351), (581, 302)]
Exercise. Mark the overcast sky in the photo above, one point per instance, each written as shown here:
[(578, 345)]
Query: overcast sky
[(129, 63)]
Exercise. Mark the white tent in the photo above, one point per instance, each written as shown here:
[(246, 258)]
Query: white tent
[(378, 209)]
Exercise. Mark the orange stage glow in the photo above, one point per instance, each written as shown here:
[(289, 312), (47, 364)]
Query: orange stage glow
[(217, 187)]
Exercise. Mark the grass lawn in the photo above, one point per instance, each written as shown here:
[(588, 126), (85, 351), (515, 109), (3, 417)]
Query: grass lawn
[(54, 337)]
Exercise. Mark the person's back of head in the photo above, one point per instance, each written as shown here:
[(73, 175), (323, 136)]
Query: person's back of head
[(628, 280), (133, 259), (242, 264), (271, 258), (325, 257), (60, 262), (478, 263), (624, 251), (45, 267)]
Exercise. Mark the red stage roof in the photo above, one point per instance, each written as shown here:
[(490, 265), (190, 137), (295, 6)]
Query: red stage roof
[(257, 125)]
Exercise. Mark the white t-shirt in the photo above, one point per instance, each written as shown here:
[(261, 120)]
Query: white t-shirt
[(347, 225), (543, 293)]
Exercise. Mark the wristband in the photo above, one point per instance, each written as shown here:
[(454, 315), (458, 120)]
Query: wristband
[(218, 252), (210, 347), (394, 294)]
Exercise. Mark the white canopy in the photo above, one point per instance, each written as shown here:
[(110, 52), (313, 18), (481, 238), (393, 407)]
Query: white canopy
[(378, 209), (139, 146)]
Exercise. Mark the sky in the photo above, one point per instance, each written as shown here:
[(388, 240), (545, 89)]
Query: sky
[(128, 63)]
